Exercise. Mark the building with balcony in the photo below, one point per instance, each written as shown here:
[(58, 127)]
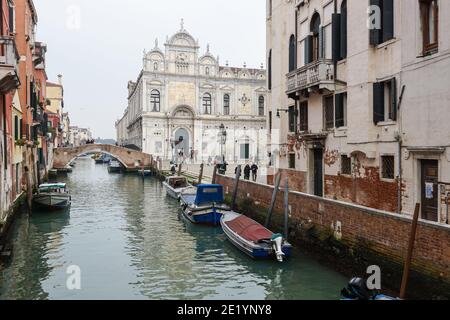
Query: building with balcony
[(182, 98), (358, 101)]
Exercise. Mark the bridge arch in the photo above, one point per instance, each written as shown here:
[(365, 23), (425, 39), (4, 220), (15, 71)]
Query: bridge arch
[(130, 159)]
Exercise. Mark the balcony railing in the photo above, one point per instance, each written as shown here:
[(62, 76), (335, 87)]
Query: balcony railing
[(8, 64), (316, 74)]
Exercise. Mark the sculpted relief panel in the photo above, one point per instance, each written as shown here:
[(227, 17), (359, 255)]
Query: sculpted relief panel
[(181, 93)]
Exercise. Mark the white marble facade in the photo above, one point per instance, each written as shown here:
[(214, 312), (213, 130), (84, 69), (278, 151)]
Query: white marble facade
[(180, 93)]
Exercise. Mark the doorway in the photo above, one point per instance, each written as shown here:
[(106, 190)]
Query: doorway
[(318, 172), (182, 142), (430, 189)]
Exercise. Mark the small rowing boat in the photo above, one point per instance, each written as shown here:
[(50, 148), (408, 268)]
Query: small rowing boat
[(357, 290), (254, 239), (203, 204)]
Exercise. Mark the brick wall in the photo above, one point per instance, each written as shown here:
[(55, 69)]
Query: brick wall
[(384, 234), (297, 179)]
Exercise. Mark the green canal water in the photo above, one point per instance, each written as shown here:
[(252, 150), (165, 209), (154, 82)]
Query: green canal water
[(130, 242)]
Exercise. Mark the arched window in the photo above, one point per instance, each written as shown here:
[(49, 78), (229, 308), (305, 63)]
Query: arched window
[(226, 104), (269, 70), (292, 54), (261, 106), (207, 103), (155, 66), (313, 45), (207, 71), (155, 101)]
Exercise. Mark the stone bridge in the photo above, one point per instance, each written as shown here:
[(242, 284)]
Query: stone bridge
[(131, 159)]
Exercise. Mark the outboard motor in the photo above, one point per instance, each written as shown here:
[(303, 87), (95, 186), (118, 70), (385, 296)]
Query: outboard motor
[(357, 290), (277, 242)]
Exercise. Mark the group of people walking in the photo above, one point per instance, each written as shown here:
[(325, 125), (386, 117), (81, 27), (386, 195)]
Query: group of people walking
[(250, 170)]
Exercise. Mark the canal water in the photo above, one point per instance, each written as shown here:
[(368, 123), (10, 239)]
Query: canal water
[(130, 242)]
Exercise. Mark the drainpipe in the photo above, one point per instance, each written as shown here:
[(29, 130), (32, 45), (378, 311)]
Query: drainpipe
[(447, 198), (400, 147)]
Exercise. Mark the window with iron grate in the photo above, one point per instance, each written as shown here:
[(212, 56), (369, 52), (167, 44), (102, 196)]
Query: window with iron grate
[(388, 167), (346, 165)]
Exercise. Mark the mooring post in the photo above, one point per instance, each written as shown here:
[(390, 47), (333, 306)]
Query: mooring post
[(214, 177), (412, 239), (179, 169), (274, 198), (286, 209), (200, 176), (236, 186)]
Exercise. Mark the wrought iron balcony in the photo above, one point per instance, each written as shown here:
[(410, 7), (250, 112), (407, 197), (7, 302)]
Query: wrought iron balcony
[(316, 75), (9, 56)]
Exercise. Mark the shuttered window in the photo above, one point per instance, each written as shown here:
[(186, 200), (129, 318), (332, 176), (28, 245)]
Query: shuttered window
[(328, 112), (292, 54), (341, 110), (292, 119), (269, 70), (304, 116), (343, 33), (16, 128), (292, 159), (386, 32), (385, 101)]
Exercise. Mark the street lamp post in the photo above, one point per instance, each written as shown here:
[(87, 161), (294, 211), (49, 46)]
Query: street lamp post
[(223, 141)]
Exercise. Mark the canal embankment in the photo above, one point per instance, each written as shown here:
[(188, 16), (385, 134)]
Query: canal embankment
[(353, 237)]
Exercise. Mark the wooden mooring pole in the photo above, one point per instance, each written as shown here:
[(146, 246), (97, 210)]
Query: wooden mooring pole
[(286, 209), (236, 186), (214, 175), (200, 176), (274, 199), (409, 255), (180, 166)]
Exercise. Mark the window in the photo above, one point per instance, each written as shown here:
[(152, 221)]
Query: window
[(261, 106), (226, 104), (155, 101), (304, 116), (269, 70), (155, 66), (16, 128), (328, 112), (270, 122), (340, 110), (314, 42), (386, 23), (270, 8), (291, 160), (292, 119), (207, 103), (339, 33), (245, 151), (387, 167), (292, 54), (12, 13), (429, 14), (346, 165), (385, 101), (207, 71)]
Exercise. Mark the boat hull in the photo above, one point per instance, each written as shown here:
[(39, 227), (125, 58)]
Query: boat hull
[(114, 169), (253, 250), (51, 201), (210, 216), (171, 192)]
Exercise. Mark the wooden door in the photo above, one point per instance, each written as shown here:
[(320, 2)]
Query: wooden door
[(430, 189)]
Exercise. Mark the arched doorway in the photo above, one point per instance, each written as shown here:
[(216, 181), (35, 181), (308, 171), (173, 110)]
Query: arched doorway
[(182, 142)]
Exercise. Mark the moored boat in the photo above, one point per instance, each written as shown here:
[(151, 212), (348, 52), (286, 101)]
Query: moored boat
[(52, 196), (175, 186), (114, 167), (357, 290), (204, 204), (254, 239)]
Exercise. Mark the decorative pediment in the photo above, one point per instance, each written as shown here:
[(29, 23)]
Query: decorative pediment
[(207, 85), (226, 88), (261, 90)]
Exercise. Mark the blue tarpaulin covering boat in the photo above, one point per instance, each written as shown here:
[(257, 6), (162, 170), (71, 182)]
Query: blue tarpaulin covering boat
[(205, 206)]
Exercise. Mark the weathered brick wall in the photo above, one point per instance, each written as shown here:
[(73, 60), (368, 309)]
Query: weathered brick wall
[(297, 179), (384, 234)]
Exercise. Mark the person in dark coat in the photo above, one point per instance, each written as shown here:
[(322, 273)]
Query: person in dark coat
[(247, 171), (254, 169)]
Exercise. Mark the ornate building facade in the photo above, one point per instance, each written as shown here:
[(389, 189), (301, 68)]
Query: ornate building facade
[(185, 102)]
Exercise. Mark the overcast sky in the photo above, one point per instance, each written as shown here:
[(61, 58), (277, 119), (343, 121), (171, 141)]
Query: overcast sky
[(97, 45)]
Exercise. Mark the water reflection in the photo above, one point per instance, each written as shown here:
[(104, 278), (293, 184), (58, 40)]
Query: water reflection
[(131, 242)]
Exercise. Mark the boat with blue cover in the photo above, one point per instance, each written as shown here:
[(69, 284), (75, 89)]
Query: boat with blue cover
[(253, 238), (357, 290), (204, 204)]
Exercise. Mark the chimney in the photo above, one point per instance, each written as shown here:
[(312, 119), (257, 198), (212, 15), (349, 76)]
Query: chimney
[(60, 79)]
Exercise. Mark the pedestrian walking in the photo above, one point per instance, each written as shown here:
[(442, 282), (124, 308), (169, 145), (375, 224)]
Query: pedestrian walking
[(254, 169), (247, 171)]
